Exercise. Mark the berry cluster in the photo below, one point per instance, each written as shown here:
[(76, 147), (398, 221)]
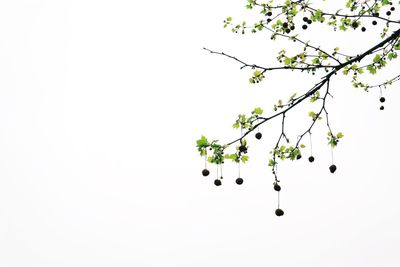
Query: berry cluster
[(307, 21), (382, 100)]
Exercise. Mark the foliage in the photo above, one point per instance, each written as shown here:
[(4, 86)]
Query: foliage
[(287, 19)]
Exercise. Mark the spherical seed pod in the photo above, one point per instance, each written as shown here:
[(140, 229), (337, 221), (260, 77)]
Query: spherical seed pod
[(311, 159), (242, 148), (363, 29), (239, 181), (298, 156), (374, 22), (205, 172), (305, 19), (277, 187), (382, 99), (388, 13), (332, 168), (285, 25), (258, 136), (382, 108), (279, 212), (217, 182)]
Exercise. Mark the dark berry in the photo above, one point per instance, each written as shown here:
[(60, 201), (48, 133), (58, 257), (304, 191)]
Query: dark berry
[(205, 172), (239, 181), (374, 22), (309, 21), (392, 8), (388, 13), (354, 24), (382, 99), (269, 13), (382, 108), (298, 156), (332, 168), (258, 136), (277, 187), (292, 27), (285, 25), (279, 212), (217, 182), (363, 29), (311, 159), (243, 149), (287, 31), (304, 27), (305, 19)]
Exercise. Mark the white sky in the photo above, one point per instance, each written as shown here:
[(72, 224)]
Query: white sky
[(100, 106)]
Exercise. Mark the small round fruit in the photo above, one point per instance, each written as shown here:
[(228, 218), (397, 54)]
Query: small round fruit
[(217, 182), (393, 8), (382, 99), (388, 13), (304, 27), (277, 187), (269, 14), (292, 27), (258, 136), (363, 29), (279, 212), (205, 172), (374, 22), (332, 168), (287, 31), (298, 156), (311, 159), (354, 25), (382, 108), (305, 19), (239, 181), (242, 148), (285, 25), (309, 21)]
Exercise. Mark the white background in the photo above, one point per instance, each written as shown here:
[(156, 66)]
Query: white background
[(100, 106)]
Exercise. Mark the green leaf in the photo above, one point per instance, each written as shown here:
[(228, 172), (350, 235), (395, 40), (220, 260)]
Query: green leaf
[(371, 69), (377, 58), (202, 142), (258, 111)]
